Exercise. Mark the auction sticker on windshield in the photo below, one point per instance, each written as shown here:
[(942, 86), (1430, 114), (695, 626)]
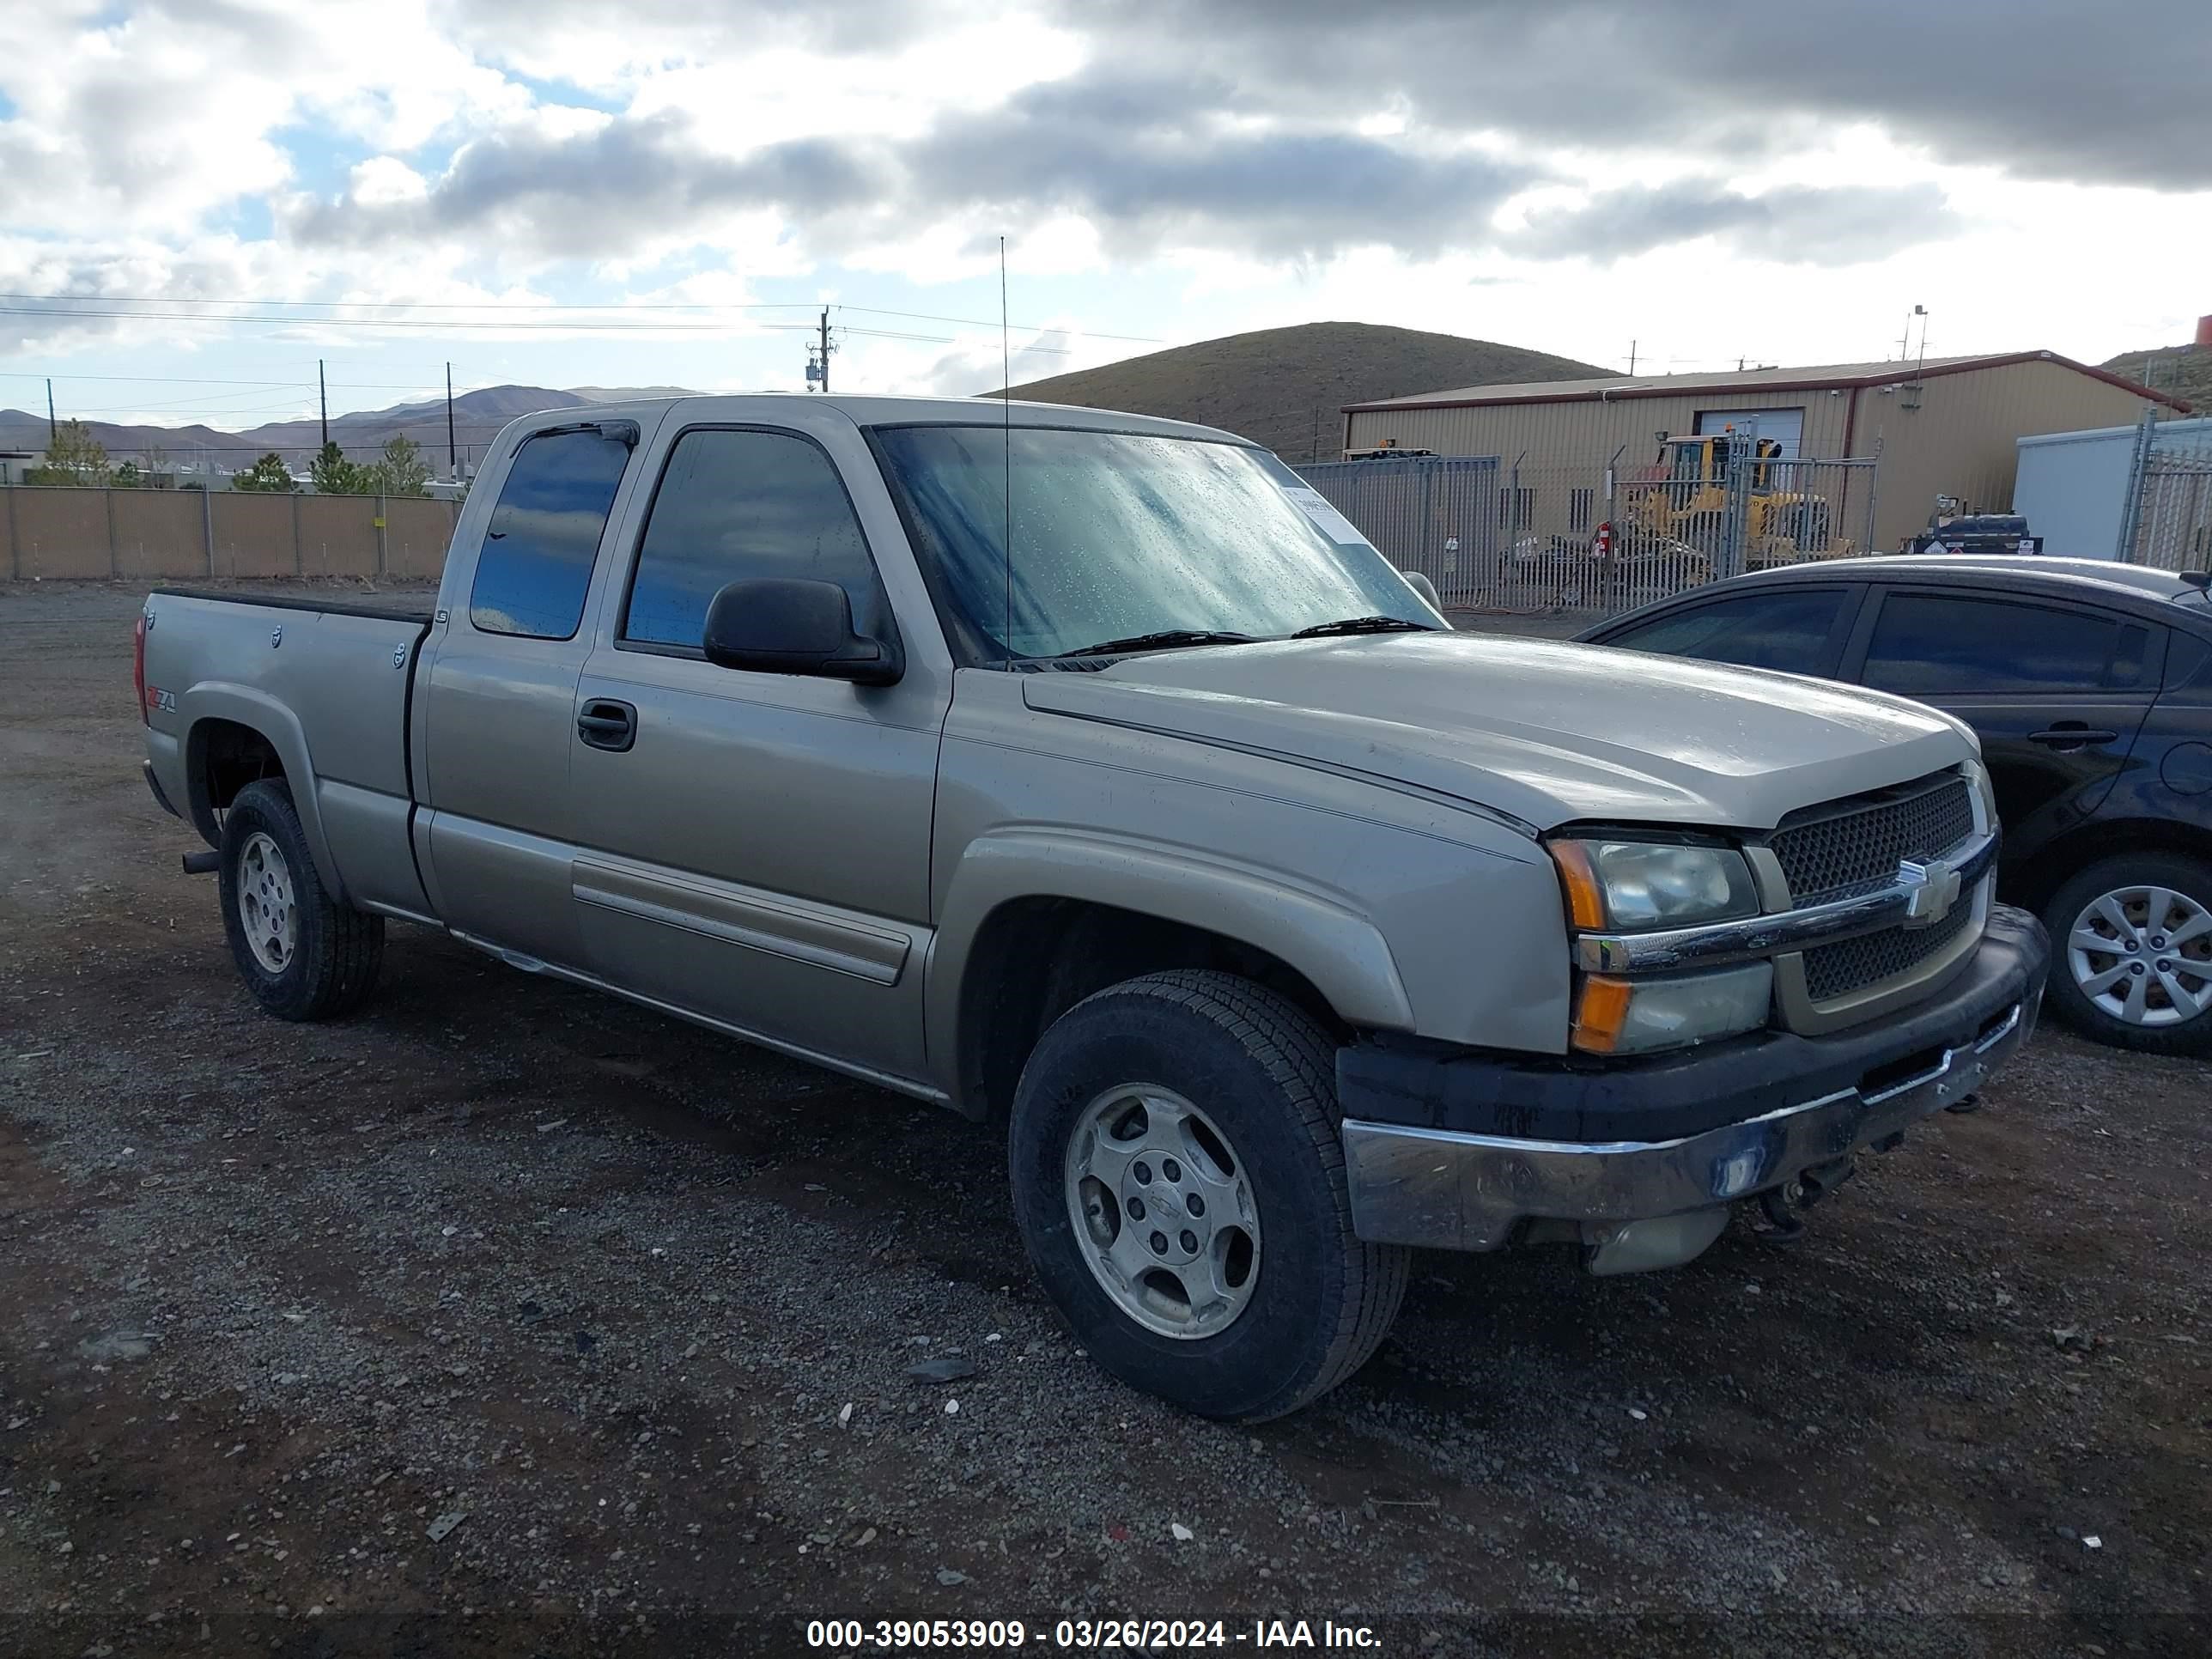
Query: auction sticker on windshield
[(1331, 523)]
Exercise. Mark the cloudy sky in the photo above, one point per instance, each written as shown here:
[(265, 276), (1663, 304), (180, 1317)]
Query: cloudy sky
[(1711, 179)]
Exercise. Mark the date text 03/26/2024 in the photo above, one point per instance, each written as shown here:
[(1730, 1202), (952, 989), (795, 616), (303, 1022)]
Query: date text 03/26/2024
[(1101, 1635)]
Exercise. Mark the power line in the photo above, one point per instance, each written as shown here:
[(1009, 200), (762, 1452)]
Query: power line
[(426, 322), (556, 305), (445, 305), (991, 322), (153, 380), (363, 322)]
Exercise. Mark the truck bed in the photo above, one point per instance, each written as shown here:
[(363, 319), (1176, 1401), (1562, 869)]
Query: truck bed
[(419, 614), (327, 682)]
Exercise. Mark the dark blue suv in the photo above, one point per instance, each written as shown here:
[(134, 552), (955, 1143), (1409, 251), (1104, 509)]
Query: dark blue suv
[(2090, 686)]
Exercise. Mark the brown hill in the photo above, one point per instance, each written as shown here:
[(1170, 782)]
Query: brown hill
[(1283, 386), (2184, 371)]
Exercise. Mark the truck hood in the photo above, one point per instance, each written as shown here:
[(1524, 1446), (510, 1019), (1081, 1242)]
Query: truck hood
[(1548, 733)]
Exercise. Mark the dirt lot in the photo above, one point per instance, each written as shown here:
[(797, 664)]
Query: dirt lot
[(275, 1299)]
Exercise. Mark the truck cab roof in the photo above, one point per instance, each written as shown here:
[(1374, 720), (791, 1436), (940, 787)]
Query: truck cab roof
[(872, 410)]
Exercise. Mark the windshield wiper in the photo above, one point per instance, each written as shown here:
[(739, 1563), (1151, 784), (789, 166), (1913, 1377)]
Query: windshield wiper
[(1362, 625), (1164, 640)]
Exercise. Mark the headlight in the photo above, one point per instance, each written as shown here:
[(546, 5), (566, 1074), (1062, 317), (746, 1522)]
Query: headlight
[(1628, 1016), (1641, 885)]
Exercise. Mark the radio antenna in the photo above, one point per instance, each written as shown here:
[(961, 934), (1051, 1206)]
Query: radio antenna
[(1006, 445)]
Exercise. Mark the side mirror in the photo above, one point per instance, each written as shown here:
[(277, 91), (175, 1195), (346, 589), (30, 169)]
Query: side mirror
[(788, 625), (1427, 589)]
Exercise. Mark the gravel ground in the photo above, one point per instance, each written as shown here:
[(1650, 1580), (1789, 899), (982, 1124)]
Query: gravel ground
[(505, 1320)]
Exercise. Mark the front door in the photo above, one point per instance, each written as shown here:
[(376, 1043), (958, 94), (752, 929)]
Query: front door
[(756, 846), (2056, 693)]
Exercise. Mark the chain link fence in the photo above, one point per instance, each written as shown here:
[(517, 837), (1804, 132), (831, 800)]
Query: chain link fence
[(2171, 520), (1515, 537)]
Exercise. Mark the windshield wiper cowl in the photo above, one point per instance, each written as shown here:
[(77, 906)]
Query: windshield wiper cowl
[(1364, 625), (1166, 639)]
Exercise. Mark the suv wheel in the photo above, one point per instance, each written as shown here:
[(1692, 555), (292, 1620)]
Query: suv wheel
[(2132, 944), (302, 954), (1179, 1183)]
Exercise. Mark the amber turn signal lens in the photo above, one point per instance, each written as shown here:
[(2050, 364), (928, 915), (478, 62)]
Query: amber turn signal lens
[(1600, 1012), (1585, 904)]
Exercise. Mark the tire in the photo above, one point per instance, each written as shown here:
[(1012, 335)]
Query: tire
[(2133, 884), (1315, 1301), (306, 957)]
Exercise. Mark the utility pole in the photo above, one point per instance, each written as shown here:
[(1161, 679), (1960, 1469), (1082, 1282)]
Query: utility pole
[(452, 455), (825, 348), (1632, 357), (50, 433), (322, 399)]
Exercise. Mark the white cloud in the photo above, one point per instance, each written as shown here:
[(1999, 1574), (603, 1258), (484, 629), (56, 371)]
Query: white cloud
[(384, 179), (1267, 160)]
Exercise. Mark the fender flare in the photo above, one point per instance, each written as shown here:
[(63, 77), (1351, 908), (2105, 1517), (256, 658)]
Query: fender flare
[(258, 711), (1340, 952)]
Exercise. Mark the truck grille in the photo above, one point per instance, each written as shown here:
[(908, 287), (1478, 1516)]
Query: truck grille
[(1839, 970), (1852, 847)]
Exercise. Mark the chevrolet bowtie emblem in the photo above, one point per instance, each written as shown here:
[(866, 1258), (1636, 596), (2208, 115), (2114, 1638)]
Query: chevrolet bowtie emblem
[(1931, 888)]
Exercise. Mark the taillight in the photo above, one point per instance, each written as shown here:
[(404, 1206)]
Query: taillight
[(138, 667)]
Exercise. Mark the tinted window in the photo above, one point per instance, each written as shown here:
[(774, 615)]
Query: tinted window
[(536, 563), (733, 505), (1787, 630), (1925, 644)]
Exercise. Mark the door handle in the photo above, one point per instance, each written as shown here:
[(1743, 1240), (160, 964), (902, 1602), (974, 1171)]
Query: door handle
[(2071, 734), (606, 724)]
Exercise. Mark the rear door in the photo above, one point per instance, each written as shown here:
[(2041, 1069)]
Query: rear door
[(757, 849), (500, 721), (2057, 691)]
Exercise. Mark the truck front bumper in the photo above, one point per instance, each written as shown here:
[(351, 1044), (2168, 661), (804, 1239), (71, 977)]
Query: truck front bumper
[(1640, 1160)]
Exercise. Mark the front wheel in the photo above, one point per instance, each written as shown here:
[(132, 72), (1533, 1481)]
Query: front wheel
[(2131, 938), (1179, 1183), (302, 954)]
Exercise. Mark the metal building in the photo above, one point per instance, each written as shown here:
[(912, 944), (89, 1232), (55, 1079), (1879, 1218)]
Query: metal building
[(1945, 426), (2078, 488)]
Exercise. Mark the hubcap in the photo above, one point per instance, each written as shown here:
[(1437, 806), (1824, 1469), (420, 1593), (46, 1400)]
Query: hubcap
[(2143, 956), (264, 903), (1163, 1210)]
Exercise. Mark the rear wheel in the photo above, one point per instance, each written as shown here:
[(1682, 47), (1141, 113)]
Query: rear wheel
[(302, 954), (2131, 938), (1179, 1183)]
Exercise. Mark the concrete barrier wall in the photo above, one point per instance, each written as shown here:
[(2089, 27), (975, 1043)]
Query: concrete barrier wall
[(253, 534), (49, 533), (416, 534), (337, 534), (61, 532), (159, 533)]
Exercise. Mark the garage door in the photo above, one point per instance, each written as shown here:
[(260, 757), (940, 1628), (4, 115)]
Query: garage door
[(1785, 426)]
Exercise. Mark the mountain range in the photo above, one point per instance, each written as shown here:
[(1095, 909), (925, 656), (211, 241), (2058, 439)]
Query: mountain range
[(477, 417), (1282, 386)]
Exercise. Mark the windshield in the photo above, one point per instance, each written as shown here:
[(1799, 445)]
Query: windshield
[(1117, 535)]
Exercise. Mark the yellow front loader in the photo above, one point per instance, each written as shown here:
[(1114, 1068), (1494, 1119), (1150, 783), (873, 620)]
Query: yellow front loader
[(1686, 500)]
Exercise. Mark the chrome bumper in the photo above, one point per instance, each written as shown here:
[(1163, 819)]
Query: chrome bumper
[(1448, 1190)]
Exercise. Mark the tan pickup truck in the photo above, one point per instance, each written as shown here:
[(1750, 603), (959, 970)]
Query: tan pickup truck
[(1090, 775)]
